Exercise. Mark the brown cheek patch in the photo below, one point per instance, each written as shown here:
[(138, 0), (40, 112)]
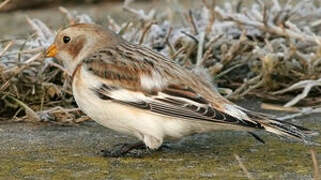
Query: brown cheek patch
[(76, 46)]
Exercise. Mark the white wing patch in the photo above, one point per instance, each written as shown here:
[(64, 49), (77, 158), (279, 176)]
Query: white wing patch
[(235, 112), (156, 81), (127, 96)]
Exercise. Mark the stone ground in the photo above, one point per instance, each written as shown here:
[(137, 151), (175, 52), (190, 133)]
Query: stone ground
[(49, 151)]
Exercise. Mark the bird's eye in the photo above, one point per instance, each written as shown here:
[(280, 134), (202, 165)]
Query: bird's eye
[(66, 39)]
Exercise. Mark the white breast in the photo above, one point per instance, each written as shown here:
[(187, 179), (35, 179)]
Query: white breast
[(104, 112)]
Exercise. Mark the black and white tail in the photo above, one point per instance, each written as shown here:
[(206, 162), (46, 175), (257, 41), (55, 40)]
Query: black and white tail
[(283, 128)]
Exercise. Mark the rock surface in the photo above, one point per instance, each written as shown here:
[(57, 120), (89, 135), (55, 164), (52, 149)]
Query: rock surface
[(48, 151)]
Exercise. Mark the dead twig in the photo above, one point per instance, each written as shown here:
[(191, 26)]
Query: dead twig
[(279, 108), (302, 112), (209, 49), (17, 70), (211, 10), (4, 3), (200, 49), (69, 16), (139, 14), (316, 168), (5, 49), (307, 85), (144, 31), (298, 111), (269, 28), (31, 114), (191, 19), (243, 167)]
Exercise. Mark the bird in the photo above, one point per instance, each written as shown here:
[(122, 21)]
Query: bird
[(135, 90)]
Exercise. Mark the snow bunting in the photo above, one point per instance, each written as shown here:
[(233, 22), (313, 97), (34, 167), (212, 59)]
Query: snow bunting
[(135, 90)]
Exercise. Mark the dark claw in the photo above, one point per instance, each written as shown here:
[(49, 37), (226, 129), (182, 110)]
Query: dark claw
[(165, 146), (121, 150), (132, 150)]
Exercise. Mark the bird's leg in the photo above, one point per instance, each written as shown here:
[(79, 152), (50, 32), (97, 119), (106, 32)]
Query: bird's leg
[(122, 149)]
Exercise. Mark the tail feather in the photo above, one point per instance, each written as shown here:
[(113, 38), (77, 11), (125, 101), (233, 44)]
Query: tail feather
[(283, 128), (287, 129)]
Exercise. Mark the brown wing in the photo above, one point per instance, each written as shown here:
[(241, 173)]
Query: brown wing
[(108, 65), (121, 71)]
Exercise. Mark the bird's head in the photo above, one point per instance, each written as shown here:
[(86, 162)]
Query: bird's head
[(76, 42)]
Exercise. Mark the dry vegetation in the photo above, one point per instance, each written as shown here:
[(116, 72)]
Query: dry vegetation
[(272, 51)]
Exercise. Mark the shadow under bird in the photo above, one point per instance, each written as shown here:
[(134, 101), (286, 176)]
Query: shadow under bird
[(135, 90)]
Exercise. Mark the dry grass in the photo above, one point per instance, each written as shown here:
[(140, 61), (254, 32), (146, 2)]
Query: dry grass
[(244, 169), (316, 167), (270, 50), (4, 3)]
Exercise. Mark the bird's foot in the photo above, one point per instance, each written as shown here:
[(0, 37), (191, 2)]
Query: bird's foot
[(165, 147), (124, 149), (138, 149)]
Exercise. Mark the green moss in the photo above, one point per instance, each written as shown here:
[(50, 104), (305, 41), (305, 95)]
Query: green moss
[(204, 157), (266, 162)]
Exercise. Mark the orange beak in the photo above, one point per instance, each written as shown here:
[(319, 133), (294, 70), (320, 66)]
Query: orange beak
[(51, 51)]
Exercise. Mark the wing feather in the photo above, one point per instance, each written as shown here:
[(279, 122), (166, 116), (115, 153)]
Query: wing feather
[(121, 71), (168, 105)]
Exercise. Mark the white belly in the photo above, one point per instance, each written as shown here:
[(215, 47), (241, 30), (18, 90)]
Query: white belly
[(128, 119)]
